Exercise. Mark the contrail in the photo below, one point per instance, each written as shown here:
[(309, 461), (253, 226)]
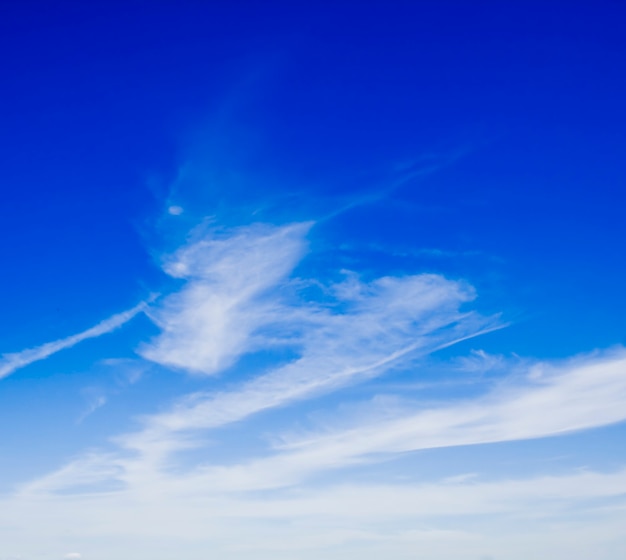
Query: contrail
[(16, 360)]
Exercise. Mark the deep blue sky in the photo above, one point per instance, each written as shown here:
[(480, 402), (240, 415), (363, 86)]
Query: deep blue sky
[(100, 99)]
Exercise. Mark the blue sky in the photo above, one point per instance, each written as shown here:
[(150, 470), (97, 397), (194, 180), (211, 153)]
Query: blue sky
[(303, 280)]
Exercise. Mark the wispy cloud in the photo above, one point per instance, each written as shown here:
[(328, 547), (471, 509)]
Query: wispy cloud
[(11, 362), (240, 297), (403, 174), (234, 302), (226, 300), (585, 393), (96, 401)]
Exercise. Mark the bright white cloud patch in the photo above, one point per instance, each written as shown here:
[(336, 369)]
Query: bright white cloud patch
[(226, 300)]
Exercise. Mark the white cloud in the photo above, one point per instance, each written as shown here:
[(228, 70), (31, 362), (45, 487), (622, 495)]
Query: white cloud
[(14, 361), (584, 393), (400, 320), (233, 304), (212, 320)]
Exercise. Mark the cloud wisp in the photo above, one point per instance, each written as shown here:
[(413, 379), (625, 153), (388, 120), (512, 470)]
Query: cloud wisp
[(11, 362), (239, 298), (228, 296), (585, 393)]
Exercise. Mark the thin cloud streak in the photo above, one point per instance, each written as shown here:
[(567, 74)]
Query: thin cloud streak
[(9, 363), (586, 393)]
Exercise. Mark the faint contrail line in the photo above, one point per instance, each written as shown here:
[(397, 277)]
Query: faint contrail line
[(16, 360)]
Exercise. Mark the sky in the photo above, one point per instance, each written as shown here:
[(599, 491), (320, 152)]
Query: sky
[(312, 280)]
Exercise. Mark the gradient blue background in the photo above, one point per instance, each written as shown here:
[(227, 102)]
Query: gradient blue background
[(483, 141)]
